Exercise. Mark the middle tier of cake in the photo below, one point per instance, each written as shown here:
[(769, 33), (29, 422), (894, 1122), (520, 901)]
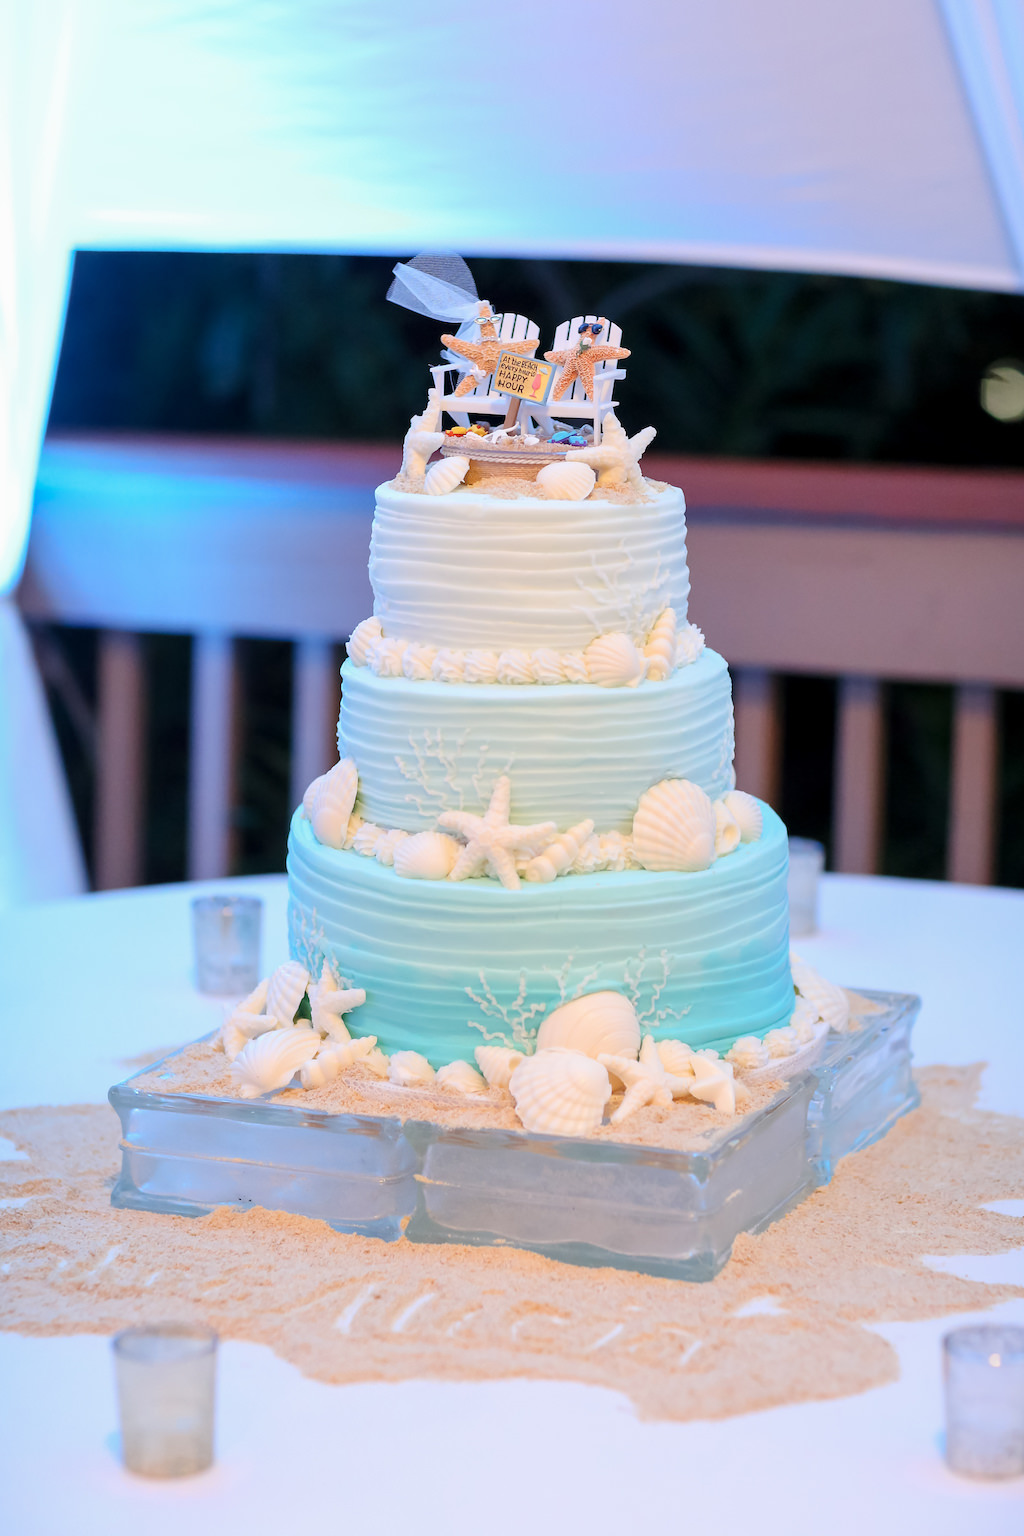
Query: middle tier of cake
[(572, 751)]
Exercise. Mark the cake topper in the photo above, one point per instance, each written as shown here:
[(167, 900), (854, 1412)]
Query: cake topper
[(577, 361)]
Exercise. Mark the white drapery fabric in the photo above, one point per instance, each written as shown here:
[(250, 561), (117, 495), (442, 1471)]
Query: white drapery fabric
[(879, 138)]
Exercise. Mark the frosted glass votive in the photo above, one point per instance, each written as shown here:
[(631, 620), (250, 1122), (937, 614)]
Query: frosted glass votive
[(806, 862), (165, 1388), (226, 931), (984, 1375)]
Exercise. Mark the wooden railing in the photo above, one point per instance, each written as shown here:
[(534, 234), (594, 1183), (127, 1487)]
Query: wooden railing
[(864, 574)]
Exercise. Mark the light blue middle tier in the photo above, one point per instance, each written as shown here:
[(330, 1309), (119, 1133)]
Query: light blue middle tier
[(572, 751), (449, 966)]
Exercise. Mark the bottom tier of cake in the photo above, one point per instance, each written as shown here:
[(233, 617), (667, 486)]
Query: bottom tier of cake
[(450, 966)]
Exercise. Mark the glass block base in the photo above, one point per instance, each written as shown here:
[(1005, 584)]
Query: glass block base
[(600, 1203)]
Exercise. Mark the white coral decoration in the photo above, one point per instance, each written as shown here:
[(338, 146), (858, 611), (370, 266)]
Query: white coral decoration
[(830, 1001), (748, 1054), (497, 1063), (674, 827), (559, 856), (713, 1082), (617, 456), (747, 813), (560, 1093), (272, 1060), (613, 661), (335, 1057), (492, 842), (460, 1077), (361, 637), (728, 835), (599, 1023), (445, 475), (426, 856), (329, 1002), (660, 649), (285, 991), (408, 1069), (423, 438), (332, 798), (566, 482), (689, 645), (647, 1080)]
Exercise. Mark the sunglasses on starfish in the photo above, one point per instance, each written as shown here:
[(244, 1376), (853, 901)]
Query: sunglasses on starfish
[(595, 326)]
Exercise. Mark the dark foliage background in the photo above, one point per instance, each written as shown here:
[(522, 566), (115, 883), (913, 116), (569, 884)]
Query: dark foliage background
[(750, 363)]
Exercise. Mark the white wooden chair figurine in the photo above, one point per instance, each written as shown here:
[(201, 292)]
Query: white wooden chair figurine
[(479, 399), (575, 404)]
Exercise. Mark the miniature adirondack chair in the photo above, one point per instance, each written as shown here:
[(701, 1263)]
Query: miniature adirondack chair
[(575, 405), (479, 399)]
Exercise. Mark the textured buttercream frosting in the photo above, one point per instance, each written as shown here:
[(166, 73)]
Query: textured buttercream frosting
[(469, 570)]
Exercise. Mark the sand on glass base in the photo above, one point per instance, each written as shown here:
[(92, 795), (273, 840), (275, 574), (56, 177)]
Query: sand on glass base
[(598, 1203)]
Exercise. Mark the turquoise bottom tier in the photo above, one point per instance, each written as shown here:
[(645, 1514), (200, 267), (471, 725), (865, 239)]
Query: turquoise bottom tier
[(450, 966)]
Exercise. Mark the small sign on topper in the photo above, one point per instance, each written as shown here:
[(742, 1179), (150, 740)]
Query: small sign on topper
[(524, 377)]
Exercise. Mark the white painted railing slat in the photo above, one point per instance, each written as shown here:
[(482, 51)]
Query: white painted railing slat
[(972, 808), (212, 750), (118, 818), (859, 776)]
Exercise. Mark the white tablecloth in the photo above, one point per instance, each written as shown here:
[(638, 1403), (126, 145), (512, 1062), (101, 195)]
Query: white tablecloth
[(108, 976)]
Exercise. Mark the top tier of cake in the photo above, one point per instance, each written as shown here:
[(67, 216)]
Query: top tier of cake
[(472, 570)]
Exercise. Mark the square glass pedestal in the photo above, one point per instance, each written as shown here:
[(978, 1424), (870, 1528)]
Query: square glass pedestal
[(585, 1202)]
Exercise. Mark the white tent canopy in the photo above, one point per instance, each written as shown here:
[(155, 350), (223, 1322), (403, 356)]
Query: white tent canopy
[(884, 138)]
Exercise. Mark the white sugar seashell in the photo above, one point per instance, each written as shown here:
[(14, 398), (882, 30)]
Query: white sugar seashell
[(660, 649), (747, 813), (387, 846), (689, 644), (831, 1002), (588, 860), (560, 1092), (727, 830), (674, 827), (273, 1060), (332, 804), (377, 1063), (566, 482), (426, 856), (613, 661), (574, 666), (354, 823), (366, 839), (713, 1082), (804, 1020), (748, 1054), (481, 666), (408, 1069), (445, 475), (676, 1057), (559, 856), (335, 1057), (361, 637), (285, 991), (323, 1069), (310, 796), (460, 1077), (497, 1063), (599, 1023)]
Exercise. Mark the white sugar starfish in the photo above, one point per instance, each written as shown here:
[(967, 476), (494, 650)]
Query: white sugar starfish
[(328, 1001), (617, 456), (646, 1080), (714, 1083), (492, 843), (423, 437)]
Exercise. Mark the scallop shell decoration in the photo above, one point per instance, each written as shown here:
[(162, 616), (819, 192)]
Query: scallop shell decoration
[(831, 1002), (408, 1069), (272, 1060), (600, 1023), (674, 827), (746, 812), (285, 991), (566, 482), (560, 1092), (426, 856), (660, 649), (332, 803), (559, 856), (445, 475), (497, 1063), (613, 661), (727, 830), (460, 1077), (361, 638)]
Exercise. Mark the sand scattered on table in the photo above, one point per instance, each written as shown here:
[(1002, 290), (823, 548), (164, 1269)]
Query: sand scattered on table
[(345, 1308)]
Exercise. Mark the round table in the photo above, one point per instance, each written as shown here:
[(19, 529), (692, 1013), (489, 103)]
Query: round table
[(91, 985)]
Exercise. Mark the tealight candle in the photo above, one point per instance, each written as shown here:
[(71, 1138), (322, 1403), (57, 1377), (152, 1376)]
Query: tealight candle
[(226, 931), (806, 862), (984, 1374), (165, 1388)]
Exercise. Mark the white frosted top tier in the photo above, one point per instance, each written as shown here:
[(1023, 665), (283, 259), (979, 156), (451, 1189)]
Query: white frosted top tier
[(469, 570)]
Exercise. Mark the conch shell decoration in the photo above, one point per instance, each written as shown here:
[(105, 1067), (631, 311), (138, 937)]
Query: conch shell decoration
[(746, 812), (560, 1092), (674, 827), (497, 1063), (559, 856), (285, 991), (660, 649), (727, 830)]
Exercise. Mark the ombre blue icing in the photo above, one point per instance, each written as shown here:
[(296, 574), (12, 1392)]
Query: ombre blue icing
[(572, 751), (448, 966)]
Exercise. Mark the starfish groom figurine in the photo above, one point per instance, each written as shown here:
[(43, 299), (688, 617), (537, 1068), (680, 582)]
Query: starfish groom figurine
[(577, 362)]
